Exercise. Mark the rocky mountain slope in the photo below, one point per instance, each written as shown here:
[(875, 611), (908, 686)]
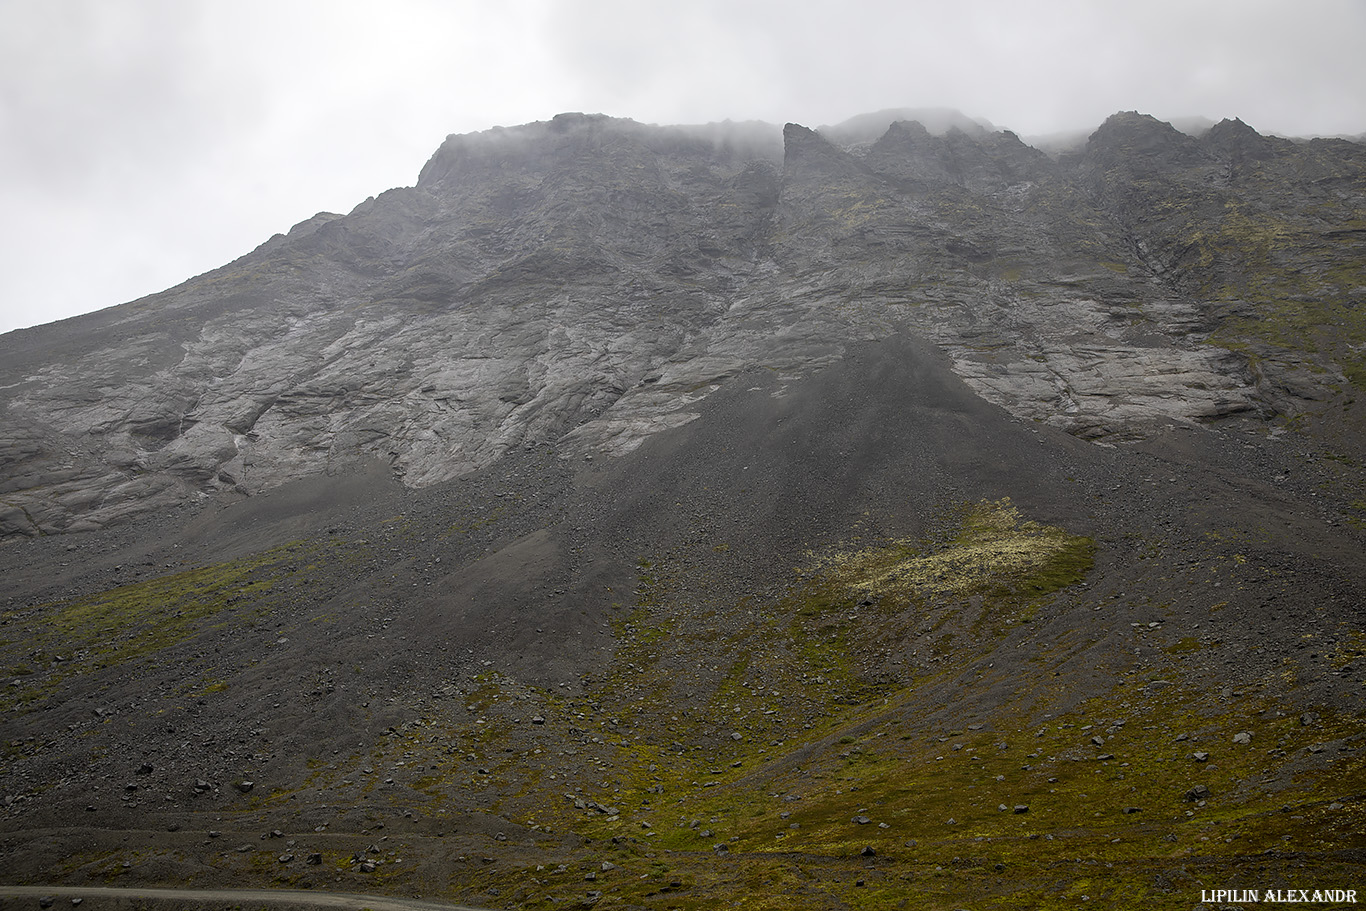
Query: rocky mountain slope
[(663, 516)]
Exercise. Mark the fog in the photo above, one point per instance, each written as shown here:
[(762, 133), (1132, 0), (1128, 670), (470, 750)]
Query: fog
[(146, 141)]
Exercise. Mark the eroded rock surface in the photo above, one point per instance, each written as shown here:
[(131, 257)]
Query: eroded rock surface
[(583, 282)]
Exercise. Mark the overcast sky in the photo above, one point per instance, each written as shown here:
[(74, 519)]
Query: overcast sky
[(145, 141)]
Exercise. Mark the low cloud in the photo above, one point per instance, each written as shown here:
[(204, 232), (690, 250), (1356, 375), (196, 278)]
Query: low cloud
[(202, 129)]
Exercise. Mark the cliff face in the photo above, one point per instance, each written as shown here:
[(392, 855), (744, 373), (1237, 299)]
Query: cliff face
[(582, 282)]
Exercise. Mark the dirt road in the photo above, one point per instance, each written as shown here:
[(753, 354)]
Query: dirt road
[(97, 897)]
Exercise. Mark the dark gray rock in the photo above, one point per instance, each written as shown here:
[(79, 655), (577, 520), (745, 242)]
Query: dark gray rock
[(502, 303)]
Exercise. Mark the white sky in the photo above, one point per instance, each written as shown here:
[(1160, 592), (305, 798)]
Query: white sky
[(145, 141)]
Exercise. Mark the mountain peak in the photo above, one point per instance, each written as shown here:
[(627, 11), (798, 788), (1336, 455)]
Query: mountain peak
[(865, 128), (479, 155), (1140, 143), (1137, 131), (1234, 139)]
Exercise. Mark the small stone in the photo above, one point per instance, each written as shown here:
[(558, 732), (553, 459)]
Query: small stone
[(868, 851), (737, 736), (1021, 808), (1199, 792), (861, 820), (314, 859), (1199, 756), (1242, 737)]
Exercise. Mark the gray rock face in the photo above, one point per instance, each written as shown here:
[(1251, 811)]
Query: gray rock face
[(583, 283)]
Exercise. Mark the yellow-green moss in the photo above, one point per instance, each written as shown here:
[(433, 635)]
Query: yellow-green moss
[(996, 552), (132, 621)]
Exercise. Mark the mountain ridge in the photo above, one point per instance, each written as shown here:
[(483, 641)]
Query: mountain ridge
[(682, 231)]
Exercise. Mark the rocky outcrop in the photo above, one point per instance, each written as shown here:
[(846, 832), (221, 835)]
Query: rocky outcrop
[(582, 283)]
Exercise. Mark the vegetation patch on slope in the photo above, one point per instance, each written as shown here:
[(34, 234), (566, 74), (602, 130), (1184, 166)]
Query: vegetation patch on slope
[(49, 643)]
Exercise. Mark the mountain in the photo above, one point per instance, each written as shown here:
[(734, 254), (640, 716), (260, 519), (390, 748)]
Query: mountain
[(663, 516)]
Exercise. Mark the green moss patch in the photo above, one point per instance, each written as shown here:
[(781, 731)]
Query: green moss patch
[(134, 621)]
